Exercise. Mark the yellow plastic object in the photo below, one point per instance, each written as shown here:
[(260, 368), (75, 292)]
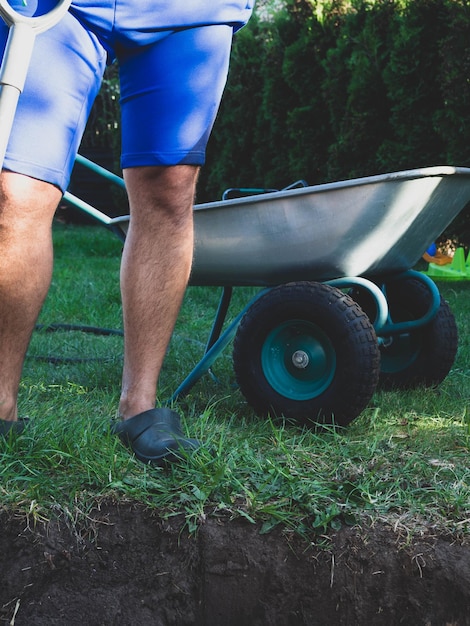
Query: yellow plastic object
[(459, 269), (438, 259)]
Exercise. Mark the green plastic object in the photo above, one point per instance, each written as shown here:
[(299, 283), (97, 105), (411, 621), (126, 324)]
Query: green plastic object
[(459, 269)]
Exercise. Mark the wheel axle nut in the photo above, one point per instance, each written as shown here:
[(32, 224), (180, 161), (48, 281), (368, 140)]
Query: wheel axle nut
[(300, 359)]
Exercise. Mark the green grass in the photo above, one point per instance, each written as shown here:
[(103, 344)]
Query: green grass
[(404, 460)]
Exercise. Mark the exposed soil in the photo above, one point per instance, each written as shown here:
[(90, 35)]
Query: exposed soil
[(126, 566)]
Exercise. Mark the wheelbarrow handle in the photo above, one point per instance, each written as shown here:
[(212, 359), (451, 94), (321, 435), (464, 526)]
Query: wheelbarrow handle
[(17, 57)]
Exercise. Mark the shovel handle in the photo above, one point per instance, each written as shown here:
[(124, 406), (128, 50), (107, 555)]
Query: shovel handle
[(16, 59), (39, 23)]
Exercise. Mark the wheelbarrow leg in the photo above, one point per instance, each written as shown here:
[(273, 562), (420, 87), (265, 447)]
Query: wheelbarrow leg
[(216, 348), (219, 320), (221, 314)]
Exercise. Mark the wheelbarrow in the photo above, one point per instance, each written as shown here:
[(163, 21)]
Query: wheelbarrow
[(338, 308)]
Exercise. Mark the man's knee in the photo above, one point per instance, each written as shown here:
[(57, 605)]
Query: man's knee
[(24, 198), (166, 190)]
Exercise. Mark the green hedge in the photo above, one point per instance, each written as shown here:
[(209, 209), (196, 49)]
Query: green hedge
[(325, 91), (359, 89)]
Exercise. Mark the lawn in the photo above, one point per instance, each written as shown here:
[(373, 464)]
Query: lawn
[(404, 460)]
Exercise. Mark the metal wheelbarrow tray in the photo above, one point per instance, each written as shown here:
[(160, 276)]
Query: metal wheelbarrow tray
[(339, 308), (363, 227)]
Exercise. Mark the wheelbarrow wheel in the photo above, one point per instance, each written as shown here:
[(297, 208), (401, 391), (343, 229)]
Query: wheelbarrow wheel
[(306, 351), (423, 356)]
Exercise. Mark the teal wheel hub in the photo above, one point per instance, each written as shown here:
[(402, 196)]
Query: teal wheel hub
[(401, 353), (298, 360)]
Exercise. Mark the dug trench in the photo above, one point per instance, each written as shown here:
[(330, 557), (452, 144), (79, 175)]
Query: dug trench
[(123, 565)]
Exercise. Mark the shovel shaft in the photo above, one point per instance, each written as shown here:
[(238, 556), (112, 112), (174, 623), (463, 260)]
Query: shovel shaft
[(16, 59), (12, 77)]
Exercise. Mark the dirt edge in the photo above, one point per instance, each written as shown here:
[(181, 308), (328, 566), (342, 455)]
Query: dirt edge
[(124, 565)]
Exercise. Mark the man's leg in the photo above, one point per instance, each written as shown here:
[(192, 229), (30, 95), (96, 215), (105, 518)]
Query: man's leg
[(170, 93), (155, 269), (27, 208)]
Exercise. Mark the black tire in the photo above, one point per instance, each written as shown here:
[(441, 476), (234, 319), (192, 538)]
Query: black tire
[(306, 351), (423, 356)]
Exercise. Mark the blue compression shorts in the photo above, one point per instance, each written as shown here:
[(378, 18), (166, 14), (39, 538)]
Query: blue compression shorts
[(173, 61)]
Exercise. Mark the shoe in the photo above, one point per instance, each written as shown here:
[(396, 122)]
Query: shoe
[(15, 428), (155, 436)]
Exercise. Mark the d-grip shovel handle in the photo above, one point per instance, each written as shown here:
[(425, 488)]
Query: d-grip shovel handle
[(16, 59), (39, 23)]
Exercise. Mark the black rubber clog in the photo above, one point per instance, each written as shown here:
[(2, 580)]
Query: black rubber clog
[(155, 436), (12, 428)]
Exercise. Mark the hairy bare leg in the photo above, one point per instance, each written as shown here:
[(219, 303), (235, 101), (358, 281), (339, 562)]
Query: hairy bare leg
[(155, 270), (27, 208)]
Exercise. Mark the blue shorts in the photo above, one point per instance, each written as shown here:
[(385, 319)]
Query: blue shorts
[(173, 61)]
